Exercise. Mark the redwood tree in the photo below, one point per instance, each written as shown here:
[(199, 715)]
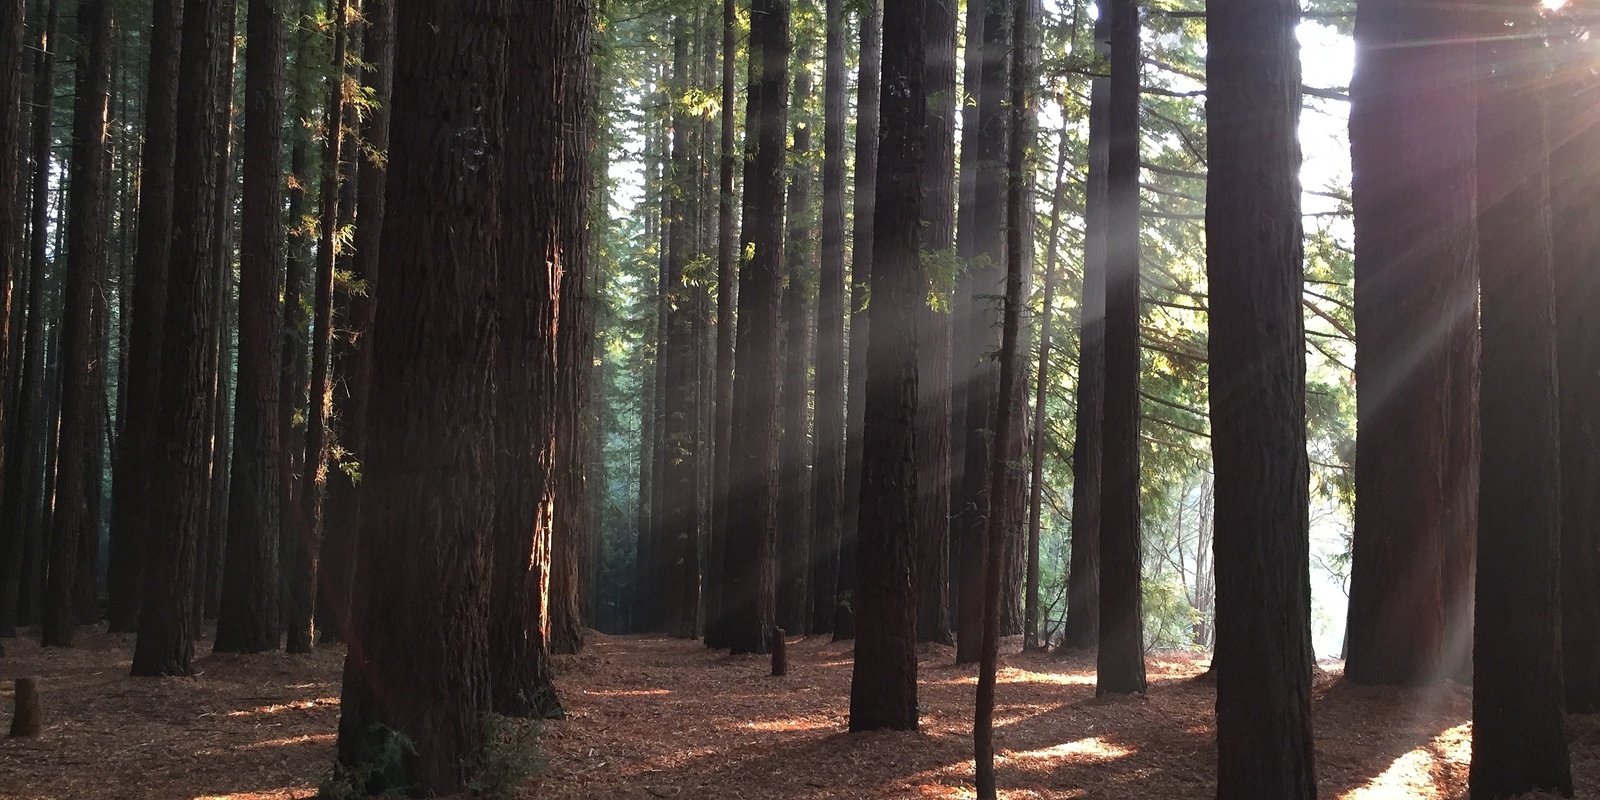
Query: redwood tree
[(794, 484), (1412, 140), (249, 618), (828, 469), (1254, 255), (751, 501), (883, 685), (1518, 744), (1120, 658), (179, 462), (71, 525), (431, 478)]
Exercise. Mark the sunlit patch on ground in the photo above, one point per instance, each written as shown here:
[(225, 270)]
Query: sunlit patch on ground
[(1422, 772), (1093, 748)]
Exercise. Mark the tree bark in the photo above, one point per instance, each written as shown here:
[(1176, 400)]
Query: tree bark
[(130, 527), (865, 202), (883, 686), (178, 464), (978, 370), (794, 481), (1518, 744), (1412, 184), (828, 459), (1031, 633), (12, 27), (727, 289), (421, 614), (751, 505), (1119, 662), (1574, 149), (249, 619), (1254, 257), (86, 253)]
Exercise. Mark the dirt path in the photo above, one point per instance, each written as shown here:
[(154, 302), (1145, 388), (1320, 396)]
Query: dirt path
[(655, 718)]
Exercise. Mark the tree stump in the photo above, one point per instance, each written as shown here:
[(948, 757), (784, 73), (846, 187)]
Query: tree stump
[(28, 719), (780, 654)]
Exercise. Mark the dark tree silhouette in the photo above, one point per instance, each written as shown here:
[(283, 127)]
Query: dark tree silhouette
[(250, 619), (828, 473), (179, 462), (1412, 139), (1518, 744)]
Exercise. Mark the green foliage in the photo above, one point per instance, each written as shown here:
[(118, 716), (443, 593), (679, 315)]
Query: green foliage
[(511, 756), (384, 766)]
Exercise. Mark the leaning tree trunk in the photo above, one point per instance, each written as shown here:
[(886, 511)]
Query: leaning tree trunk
[(1120, 658), (86, 253), (249, 618), (421, 615), (751, 501), (179, 466), (1518, 744), (883, 685), (934, 327), (1254, 255)]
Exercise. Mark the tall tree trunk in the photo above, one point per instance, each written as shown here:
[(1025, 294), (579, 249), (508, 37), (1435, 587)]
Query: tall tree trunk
[(1120, 658), (865, 204), (883, 685), (679, 556), (727, 289), (1007, 446), (12, 77), (960, 322), (24, 497), (934, 334), (220, 344), (1254, 256), (353, 360), (314, 473), (828, 453), (86, 253), (1412, 183), (794, 483), (130, 482), (1518, 744), (249, 619), (1573, 157), (422, 607), (751, 503), (979, 370), (1041, 395), (178, 465), (297, 583), (1082, 628)]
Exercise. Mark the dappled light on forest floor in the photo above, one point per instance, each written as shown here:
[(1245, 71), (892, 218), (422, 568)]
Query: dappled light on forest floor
[(652, 717)]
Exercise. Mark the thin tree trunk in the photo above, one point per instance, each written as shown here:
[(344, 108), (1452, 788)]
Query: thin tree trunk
[(865, 204), (1032, 636), (828, 444), (221, 340), (794, 483), (13, 15), (727, 290), (934, 327)]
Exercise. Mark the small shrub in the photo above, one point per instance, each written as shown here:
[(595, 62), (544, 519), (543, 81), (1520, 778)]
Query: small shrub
[(511, 756)]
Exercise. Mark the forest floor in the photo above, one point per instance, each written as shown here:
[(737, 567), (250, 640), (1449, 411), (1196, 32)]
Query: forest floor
[(655, 718)]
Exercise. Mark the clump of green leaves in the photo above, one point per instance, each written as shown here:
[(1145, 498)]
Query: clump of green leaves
[(382, 767), (511, 756)]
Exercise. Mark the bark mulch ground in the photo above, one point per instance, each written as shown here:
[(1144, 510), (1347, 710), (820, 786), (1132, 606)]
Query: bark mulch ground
[(654, 718)]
